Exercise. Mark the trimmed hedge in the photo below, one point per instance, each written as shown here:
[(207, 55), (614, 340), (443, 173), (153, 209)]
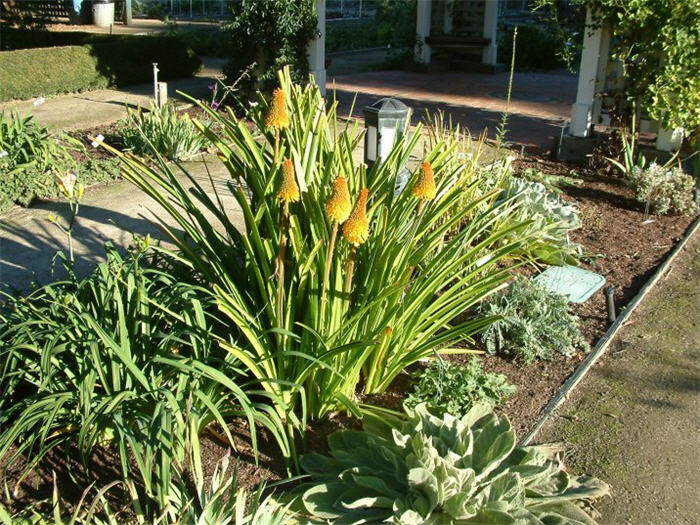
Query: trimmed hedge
[(16, 38), (28, 73)]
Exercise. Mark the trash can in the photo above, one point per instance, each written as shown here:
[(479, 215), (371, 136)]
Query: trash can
[(103, 12)]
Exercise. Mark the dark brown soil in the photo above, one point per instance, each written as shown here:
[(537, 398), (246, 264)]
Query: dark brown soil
[(618, 244)]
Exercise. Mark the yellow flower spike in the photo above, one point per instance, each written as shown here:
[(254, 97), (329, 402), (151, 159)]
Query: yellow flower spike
[(356, 228), (339, 205), (277, 117), (289, 189), (424, 188)]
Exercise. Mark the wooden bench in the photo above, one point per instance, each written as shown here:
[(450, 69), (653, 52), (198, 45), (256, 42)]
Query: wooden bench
[(457, 42)]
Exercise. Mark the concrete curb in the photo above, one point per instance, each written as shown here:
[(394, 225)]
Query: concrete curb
[(604, 342)]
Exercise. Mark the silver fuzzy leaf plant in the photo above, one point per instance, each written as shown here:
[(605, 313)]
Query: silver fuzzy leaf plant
[(435, 468)]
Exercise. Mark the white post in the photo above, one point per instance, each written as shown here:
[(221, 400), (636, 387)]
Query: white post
[(489, 55), (422, 51), (582, 110), (127, 13), (447, 21), (669, 139), (317, 48)]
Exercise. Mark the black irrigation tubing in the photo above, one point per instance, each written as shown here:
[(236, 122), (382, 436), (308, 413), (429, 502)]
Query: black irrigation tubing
[(604, 342)]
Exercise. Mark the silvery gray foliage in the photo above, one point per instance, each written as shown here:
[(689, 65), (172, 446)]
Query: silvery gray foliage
[(665, 191), (438, 469), (544, 206)]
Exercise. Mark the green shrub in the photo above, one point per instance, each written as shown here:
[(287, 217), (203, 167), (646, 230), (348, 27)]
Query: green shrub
[(664, 191), (205, 42), (435, 468), (124, 358), (270, 34), (17, 38), (536, 48), (48, 71), (163, 131), (534, 323), (456, 388)]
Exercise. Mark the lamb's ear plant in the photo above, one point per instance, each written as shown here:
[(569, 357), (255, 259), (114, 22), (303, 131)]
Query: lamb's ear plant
[(317, 308), (432, 467)]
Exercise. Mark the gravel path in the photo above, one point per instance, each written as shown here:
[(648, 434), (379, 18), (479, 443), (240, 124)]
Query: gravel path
[(635, 420)]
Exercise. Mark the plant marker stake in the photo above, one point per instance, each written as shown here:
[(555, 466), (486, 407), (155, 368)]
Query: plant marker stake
[(610, 296), (155, 83)]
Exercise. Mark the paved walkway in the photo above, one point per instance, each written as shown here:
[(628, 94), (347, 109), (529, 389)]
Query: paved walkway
[(105, 106), (635, 420), (28, 241), (540, 102)]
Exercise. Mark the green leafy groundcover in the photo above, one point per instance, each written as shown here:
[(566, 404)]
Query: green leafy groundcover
[(66, 69), (456, 388), (436, 468)]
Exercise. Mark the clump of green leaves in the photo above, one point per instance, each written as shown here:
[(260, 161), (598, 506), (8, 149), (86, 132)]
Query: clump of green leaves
[(456, 388), (23, 187), (24, 143), (664, 191), (163, 131), (435, 468), (534, 323)]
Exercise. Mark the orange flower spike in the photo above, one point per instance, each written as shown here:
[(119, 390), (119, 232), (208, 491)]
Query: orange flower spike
[(277, 117), (339, 205), (424, 188), (356, 228), (289, 189)]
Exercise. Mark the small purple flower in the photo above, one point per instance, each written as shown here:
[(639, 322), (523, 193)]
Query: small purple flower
[(215, 105), (211, 87)]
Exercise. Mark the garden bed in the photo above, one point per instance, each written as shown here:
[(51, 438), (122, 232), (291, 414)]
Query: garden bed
[(619, 245)]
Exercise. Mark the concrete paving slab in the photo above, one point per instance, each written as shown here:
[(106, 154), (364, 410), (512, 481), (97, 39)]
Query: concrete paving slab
[(28, 241), (105, 106)]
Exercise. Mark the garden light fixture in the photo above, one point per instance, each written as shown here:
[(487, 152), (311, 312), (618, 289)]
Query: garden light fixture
[(385, 121)]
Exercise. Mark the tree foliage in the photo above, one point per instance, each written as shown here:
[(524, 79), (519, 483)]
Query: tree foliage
[(658, 42), (270, 34)]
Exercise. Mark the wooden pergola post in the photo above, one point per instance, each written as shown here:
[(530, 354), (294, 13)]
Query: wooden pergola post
[(317, 48)]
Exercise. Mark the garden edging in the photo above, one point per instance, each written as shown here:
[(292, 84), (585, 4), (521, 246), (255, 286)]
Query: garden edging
[(604, 342)]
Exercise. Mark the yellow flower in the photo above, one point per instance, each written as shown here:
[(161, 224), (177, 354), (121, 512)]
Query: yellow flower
[(424, 188), (289, 189), (338, 206), (277, 117), (66, 183), (356, 228)]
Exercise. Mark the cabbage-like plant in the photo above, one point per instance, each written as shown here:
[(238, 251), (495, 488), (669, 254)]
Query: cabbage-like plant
[(435, 468)]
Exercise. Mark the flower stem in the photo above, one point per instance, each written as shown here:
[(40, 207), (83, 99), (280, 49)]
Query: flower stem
[(277, 145), (329, 258), (280, 266), (350, 270)]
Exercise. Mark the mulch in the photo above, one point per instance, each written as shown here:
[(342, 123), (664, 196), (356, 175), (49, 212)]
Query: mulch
[(619, 245)]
